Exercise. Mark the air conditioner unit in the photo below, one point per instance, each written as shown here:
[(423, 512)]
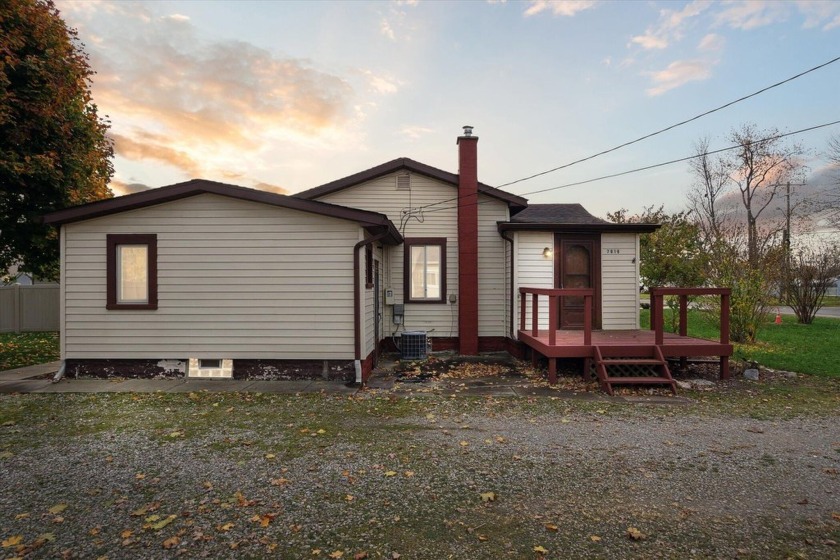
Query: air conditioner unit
[(413, 345)]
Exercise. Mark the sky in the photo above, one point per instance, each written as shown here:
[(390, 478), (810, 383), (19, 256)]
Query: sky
[(286, 96)]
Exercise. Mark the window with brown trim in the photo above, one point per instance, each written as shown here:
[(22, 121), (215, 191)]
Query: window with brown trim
[(425, 270), (369, 266), (131, 265)]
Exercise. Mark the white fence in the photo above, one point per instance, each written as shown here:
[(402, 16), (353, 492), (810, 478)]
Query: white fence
[(29, 308)]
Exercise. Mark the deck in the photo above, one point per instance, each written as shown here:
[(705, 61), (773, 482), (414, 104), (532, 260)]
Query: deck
[(608, 347)]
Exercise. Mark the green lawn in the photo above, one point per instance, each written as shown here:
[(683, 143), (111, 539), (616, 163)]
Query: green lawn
[(813, 349), (27, 349)]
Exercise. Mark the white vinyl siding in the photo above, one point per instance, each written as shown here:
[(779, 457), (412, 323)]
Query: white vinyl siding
[(619, 281), (236, 279), (533, 270), (493, 277), (441, 220), (370, 310)]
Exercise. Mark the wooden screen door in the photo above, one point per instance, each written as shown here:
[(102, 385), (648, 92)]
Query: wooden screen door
[(577, 265)]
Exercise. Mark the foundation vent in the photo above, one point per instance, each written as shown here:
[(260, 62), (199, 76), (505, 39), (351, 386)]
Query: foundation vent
[(210, 368)]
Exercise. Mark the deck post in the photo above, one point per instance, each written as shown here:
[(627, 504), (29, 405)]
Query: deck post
[(535, 323), (552, 371), (724, 333), (552, 320), (683, 326), (652, 310), (522, 298), (659, 338), (587, 320)]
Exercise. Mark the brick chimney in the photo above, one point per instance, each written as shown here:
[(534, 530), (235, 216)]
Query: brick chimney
[(468, 243)]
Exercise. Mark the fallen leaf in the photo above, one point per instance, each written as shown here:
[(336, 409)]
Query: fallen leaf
[(176, 434), (540, 550), (835, 516), (139, 476), (803, 502), (125, 534), (409, 474), (322, 431), (482, 538), (270, 456), (57, 508), (336, 554), (635, 534), (163, 522), (551, 527), (12, 541), (390, 473), (316, 552), (94, 531), (594, 538), (225, 528), (140, 512), (171, 542), (464, 443), (488, 497), (396, 556), (24, 515), (349, 497), (360, 556)]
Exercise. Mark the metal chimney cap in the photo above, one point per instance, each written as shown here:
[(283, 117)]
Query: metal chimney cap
[(468, 130)]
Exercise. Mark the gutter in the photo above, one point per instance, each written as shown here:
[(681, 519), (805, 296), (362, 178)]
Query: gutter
[(512, 315), (357, 304)]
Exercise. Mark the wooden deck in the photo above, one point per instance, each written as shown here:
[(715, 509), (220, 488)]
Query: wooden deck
[(614, 347), (626, 343)]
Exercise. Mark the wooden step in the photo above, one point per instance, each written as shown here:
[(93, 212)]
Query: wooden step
[(640, 380), (632, 361)]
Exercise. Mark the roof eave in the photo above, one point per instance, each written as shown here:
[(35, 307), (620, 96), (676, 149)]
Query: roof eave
[(587, 228)]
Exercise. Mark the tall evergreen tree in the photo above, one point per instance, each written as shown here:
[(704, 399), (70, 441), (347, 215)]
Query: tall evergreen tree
[(54, 151)]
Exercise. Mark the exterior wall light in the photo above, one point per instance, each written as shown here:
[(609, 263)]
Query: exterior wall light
[(547, 253)]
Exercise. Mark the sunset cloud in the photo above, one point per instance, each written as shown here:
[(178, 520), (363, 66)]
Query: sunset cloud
[(750, 14), (679, 73), (415, 132), (567, 8), (670, 26)]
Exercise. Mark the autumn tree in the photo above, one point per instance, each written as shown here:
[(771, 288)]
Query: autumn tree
[(54, 151), (670, 256), (810, 272)]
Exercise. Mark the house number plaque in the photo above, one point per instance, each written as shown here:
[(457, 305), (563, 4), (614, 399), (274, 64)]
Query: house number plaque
[(612, 251)]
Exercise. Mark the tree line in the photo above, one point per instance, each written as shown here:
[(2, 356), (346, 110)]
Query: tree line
[(735, 230)]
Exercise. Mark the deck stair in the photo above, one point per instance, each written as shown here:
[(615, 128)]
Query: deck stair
[(645, 357)]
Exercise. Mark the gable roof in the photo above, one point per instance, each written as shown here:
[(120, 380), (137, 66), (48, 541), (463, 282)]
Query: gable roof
[(372, 221), (567, 217), (407, 164)]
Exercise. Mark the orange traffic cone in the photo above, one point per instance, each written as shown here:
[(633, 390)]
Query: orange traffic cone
[(778, 317)]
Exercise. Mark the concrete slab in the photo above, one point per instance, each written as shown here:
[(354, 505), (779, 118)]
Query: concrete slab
[(145, 385), (211, 385), (478, 391), (23, 386), (279, 387), (29, 371), (331, 388), (650, 399), (75, 386), (525, 391)]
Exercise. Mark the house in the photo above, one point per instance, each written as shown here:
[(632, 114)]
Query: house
[(333, 274)]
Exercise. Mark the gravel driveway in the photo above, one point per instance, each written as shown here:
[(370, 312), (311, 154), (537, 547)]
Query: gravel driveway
[(117, 476)]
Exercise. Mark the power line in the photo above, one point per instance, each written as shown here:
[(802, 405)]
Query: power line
[(673, 126), (656, 165), (652, 134)]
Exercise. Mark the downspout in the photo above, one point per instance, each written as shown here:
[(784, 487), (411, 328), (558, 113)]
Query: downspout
[(512, 313), (60, 373), (357, 304)]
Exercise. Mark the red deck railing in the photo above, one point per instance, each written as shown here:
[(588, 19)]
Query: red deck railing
[(554, 310), (657, 315)]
